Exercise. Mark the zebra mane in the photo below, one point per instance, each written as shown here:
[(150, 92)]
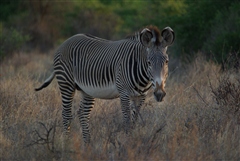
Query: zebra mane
[(135, 36), (154, 29), (157, 33)]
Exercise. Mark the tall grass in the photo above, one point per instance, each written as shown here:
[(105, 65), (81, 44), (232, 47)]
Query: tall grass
[(198, 120)]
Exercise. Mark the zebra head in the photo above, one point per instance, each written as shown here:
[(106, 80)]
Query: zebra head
[(156, 44)]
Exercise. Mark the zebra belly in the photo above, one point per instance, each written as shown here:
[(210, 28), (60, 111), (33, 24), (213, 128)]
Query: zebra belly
[(107, 92)]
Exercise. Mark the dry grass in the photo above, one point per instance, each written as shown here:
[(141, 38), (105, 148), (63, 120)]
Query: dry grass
[(195, 122)]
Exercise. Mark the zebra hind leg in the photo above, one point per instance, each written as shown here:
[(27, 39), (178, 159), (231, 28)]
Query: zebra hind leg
[(67, 112), (67, 98), (86, 105), (67, 88)]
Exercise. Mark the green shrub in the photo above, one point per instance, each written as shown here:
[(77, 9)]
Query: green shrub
[(210, 26), (93, 18), (224, 34), (11, 40)]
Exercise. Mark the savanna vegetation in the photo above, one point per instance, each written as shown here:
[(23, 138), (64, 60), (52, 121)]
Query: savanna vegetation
[(198, 120), (209, 26)]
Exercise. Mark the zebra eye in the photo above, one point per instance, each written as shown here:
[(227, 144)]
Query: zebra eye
[(149, 63), (167, 61)]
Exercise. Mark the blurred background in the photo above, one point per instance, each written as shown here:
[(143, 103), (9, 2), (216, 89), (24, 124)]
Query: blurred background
[(209, 26)]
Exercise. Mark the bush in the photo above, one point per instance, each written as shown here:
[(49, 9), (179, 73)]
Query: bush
[(93, 18), (209, 26), (11, 40), (224, 34), (227, 94), (227, 91)]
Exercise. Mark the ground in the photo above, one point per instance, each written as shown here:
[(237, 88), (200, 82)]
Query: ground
[(193, 123)]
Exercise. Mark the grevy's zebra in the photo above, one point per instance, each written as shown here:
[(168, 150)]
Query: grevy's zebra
[(106, 69)]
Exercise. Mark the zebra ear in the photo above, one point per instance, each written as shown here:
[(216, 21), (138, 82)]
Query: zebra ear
[(168, 36), (146, 37)]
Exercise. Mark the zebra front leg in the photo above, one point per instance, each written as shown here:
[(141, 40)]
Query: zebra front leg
[(86, 105), (135, 108), (125, 103)]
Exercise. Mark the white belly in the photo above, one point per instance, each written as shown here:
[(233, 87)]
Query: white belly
[(108, 92)]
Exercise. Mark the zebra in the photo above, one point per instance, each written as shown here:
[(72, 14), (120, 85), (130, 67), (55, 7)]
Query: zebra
[(106, 69)]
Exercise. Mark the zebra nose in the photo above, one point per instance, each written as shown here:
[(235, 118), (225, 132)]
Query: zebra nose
[(159, 95), (159, 92)]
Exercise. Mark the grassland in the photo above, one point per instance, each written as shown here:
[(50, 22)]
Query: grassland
[(198, 120)]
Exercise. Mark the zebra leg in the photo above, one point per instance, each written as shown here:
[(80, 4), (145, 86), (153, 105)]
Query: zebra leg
[(67, 98), (87, 103), (125, 103), (67, 88), (135, 108)]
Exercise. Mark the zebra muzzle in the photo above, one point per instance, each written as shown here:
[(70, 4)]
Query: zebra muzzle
[(159, 93)]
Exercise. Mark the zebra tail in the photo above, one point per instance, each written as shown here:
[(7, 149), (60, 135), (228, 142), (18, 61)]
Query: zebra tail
[(47, 82)]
